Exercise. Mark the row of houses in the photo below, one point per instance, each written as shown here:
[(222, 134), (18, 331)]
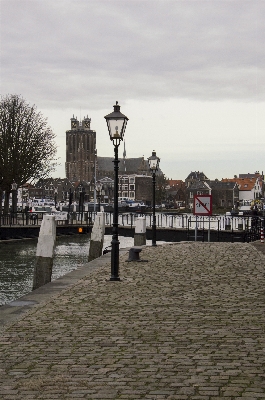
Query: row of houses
[(132, 187), (226, 193)]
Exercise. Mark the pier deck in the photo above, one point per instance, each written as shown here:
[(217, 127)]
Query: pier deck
[(187, 324)]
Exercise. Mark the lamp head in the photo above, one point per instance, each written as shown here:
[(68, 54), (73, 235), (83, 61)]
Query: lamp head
[(153, 162), (116, 122)]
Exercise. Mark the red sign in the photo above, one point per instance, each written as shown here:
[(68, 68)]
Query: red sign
[(202, 204)]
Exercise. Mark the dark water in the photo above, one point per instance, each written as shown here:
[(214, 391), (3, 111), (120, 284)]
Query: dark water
[(17, 262)]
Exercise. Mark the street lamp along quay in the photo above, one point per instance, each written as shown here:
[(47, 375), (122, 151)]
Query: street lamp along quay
[(154, 165), (116, 123)]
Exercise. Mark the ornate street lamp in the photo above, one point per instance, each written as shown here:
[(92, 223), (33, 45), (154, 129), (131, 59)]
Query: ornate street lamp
[(154, 165), (116, 123)]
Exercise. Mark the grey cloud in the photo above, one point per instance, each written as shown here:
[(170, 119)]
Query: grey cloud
[(64, 51)]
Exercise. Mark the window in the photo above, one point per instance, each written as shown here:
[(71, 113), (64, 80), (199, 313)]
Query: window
[(131, 195), (131, 187)]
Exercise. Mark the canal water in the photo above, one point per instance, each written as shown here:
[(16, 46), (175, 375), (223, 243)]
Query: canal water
[(17, 261)]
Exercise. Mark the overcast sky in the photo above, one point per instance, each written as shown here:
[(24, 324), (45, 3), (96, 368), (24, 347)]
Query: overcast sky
[(189, 75)]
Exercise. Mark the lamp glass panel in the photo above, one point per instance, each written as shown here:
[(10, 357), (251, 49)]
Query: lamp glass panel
[(153, 164), (116, 128)]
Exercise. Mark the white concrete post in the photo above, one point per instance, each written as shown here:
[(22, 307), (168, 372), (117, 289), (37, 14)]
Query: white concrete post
[(97, 237), (45, 252), (140, 232)]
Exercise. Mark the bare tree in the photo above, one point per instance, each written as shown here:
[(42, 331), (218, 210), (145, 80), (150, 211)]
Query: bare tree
[(161, 184), (27, 147)]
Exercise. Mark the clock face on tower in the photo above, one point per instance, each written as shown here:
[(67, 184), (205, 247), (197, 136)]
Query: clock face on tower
[(87, 124), (74, 124)]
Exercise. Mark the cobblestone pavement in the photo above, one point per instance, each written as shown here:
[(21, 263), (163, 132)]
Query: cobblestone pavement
[(187, 324)]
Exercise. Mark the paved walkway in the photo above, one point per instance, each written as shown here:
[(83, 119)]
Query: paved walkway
[(187, 324)]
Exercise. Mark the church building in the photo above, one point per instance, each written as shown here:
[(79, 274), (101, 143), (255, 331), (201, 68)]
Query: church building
[(82, 158), (80, 151)]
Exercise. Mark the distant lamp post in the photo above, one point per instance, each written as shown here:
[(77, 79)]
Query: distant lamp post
[(55, 196), (14, 197), (81, 200), (95, 178), (116, 123), (98, 188), (154, 165), (70, 197)]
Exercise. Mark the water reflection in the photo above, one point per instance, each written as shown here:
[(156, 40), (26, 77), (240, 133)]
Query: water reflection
[(17, 261)]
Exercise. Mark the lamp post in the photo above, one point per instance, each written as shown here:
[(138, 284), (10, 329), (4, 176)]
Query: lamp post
[(116, 123), (70, 197), (153, 165), (55, 196), (95, 178), (81, 200), (98, 188)]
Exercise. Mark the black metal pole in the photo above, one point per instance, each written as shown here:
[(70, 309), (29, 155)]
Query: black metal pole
[(115, 241), (154, 211), (70, 201)]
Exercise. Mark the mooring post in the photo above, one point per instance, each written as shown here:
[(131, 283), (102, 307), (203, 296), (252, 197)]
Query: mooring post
[(97, 237), (140, 232), (45, 252)]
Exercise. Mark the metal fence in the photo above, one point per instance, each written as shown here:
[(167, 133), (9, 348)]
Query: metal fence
[(250, 225)]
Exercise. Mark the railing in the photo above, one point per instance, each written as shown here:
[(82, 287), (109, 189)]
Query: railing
[(254, 231), (249, 225)]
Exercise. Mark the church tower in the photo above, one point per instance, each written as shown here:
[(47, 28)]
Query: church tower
[(80, 151)]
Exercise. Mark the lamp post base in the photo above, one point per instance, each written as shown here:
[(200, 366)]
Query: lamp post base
[(114, 278)]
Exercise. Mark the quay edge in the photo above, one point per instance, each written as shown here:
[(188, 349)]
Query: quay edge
[(163, 234)]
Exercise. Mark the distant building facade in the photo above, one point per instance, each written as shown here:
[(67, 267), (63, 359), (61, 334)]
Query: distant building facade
[(197, 188), (176, 193), (249, 188), (224, 194), (127, 166), (195, 176)]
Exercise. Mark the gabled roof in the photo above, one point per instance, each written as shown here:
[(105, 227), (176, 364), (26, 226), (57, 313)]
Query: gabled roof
[(245, 184), (197, 175), (249, 176), (126, 165), (175, 183), (199, 185), (222, 185)]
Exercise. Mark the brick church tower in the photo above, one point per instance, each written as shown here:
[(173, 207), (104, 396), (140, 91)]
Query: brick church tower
[(80, 151)]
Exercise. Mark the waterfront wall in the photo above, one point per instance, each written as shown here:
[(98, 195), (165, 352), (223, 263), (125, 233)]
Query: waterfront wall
[(23, 232), (163, 234)]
